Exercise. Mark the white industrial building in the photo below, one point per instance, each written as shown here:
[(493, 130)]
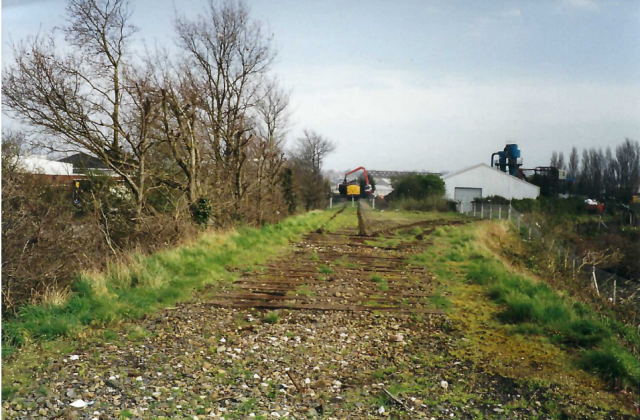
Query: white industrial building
[(484, 181), (35, 164)]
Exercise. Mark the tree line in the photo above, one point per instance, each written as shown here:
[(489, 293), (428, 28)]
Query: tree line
[(204, 121), (603, 174), (193, 136)]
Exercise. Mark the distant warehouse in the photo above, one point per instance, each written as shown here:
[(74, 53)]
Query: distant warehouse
[(484, 181)]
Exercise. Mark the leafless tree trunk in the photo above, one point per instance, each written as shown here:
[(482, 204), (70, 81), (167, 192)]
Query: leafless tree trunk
[(273, 119), (179, 120), (228, 58)]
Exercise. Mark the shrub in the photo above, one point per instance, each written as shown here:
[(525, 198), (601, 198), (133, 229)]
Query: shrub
[(418, 186), (201, 211)]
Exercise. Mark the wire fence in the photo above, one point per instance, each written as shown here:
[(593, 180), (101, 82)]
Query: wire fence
[(615, 288), (493, 211)]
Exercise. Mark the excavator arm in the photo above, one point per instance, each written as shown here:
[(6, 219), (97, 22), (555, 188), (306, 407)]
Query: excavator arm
[(367, 187), (364, 172)]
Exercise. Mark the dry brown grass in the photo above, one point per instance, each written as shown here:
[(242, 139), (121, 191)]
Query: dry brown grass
[(51, 294)]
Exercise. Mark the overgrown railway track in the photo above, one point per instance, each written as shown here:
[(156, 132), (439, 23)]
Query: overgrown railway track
[(346, 270)]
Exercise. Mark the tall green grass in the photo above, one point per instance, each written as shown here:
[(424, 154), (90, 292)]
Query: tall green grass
[(149, 282), (535, 308), (600, 342)]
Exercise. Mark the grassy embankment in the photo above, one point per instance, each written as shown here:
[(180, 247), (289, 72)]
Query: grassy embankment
[(146, 283), (525, 317)]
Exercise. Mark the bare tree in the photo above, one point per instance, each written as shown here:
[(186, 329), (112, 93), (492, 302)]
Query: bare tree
[(307, 157), (574, 162), (78, 98), (592, 173), (271, 128), (228, 58), (628, 168), (311, 149), (179, 130), (554, 159), (560, 162), (609, 182)]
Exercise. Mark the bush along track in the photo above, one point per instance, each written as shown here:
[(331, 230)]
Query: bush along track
[(524, 329), (148, 282)]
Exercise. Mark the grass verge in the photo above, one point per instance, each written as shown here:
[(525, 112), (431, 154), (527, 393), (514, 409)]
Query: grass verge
[(530, 307), (149, 282)]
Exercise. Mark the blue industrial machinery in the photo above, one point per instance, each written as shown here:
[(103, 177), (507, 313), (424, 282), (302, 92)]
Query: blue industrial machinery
[(508, 158)]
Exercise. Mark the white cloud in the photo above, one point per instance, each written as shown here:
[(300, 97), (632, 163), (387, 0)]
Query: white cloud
[(403, 120)]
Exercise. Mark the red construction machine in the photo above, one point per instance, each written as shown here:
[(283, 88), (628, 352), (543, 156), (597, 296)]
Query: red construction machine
[(353, 188)]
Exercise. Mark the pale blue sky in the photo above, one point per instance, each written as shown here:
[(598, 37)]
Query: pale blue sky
[(433, 85)]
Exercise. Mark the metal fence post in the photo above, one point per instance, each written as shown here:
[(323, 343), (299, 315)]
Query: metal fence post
[(499, 213), (373, 201), (519, 217), (509, 216), (490, 212), (474, 209), (331, 202), (482, 211)]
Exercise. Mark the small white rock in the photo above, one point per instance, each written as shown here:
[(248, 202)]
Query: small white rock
[(80, 404), (381, 410), (444, 384)]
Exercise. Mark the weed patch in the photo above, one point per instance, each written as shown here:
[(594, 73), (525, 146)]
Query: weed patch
[(149, 282), (303, 290), (325, 269), (271, 318), (440, 301)]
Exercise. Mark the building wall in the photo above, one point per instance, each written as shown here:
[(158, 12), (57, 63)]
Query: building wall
[(492, 182)]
